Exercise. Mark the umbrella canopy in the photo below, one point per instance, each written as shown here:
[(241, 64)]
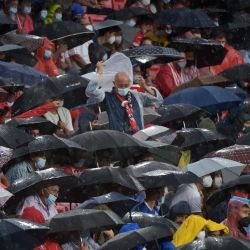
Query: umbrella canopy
[(19, 234), (201, 48), (162, 178), (122, 144), (215, 99), (12, 137), (44, 125), (84, 220), (224, 191), (151, 133), (99, 181), (4, 196), (5, 155), (230, 169), (182, 112), (20, 73), (244, 140), (108, 23), (127, 13), (153, 54), (144, 167), (217, 243), (237, 4), (9, 84), (6, 23), (185, 18), (62, 86), (30, 185), (146, 220), (72, 33), (238, 73), (130, 240), (193, 136), (117, 202)]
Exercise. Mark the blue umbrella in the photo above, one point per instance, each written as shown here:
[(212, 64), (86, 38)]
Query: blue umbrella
[(21, 74), (117, 202), (211, 98)]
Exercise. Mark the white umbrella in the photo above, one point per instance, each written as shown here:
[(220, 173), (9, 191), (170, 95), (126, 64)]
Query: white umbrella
[(230, 169), (4, 196)]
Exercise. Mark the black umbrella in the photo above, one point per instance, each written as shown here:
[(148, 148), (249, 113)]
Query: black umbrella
[(152, 54), (50, 88), (244, 140), (36, 122), (108, 23), (206, 52), (127, 13), (9, 84), (146, 220), (84, 220), (117, 202), (144, 167), (130, 240), (224, 191), (151, 133), (12, 137), (122, 145), (19, 234), (99, 181), (182, 112), (73, 33), (194, 136), (238, 73), (49, 144), (185, 18), (23, 187), (217, 243), (6, 23), (234, 5), (162, 178)]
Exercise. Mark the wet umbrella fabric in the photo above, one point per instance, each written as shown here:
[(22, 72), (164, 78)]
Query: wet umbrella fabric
[(217, 243), (108, 23), (230, 169), (185, 18), (72, 33), (117, 202), (129, 240), (19, 234), (21, 74), (183, 112), (151, 133), (5, 155), (201, 48), (215, 99), (4, 196), (12, 137), (238, 73), (49, 88), (84, 220), (9, 84), (6, 23), (127, 13), (244, 140)]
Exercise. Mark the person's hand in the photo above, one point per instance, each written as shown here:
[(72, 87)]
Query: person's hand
[(56, 103), (100, 67), (84, 246), (109, 233), (141, 81), (61, 125)]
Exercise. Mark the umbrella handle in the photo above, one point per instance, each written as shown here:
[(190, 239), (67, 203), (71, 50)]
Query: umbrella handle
[(157, 244)]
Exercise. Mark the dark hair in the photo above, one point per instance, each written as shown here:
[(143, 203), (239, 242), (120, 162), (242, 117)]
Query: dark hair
[(96, 52)]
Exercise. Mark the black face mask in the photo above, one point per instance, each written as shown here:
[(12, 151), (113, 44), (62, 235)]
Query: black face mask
[(244, 222)]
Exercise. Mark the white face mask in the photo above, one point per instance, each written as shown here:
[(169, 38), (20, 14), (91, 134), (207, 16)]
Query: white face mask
[(207, 181), (61, 103), (182, 64), (118, 39), (216, 23), (201, 235), (131, 22), (145, 2), (168, 31), (123, 92), (89, 27), (111, 40), (217, 181), (105, 57)]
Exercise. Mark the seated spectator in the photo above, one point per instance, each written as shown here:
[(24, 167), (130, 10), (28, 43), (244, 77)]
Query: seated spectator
[(54, 13)]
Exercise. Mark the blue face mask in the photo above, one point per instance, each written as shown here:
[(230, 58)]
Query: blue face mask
[(51, 199), (27, 10), (47, 54), (58, 17), (13, 10), (40, 163), (123, 92), (43, 14)]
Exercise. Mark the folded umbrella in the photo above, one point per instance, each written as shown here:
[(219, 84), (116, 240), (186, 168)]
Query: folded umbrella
[(12, 137), (230, 169), (201, 48), (238, 73), (182, 112), (148, 166), (214, 99), (21, 74), (130, 240), (185, 18), (217, 243), (127, 13), (117, 202), (153, 54), (6, 23), (72, 33), (44, 125), (84, 220), (19, 234), (10, 85), (99, 181), (62, 86)]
